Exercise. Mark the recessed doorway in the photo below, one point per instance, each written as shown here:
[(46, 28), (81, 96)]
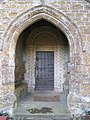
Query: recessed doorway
[(41, 76)]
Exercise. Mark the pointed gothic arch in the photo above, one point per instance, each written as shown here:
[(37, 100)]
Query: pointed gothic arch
[(27, 18)]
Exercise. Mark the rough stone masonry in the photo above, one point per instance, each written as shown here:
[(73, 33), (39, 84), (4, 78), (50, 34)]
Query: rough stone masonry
[(70, 16)]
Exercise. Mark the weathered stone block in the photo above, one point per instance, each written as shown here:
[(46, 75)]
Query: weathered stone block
[(85, 89)]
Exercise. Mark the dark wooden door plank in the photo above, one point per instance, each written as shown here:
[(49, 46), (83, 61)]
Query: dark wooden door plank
[(44, 70)]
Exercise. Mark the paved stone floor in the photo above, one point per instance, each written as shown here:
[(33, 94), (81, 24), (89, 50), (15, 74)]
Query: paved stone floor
[(27, 106)]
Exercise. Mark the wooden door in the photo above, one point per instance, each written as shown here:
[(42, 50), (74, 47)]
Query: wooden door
[(44, 70)]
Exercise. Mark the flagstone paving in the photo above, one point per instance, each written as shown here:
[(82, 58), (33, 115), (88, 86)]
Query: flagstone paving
[(32, 109)]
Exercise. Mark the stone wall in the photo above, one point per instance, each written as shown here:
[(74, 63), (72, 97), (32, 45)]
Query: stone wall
[(19, 64), (73, 18)]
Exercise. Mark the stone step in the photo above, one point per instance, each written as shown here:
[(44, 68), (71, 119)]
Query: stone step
[(47, 93), (45, 98), (28, 109), (42, 117)]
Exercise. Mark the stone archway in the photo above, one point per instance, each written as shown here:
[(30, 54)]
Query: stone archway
[(47, 38), (12, 33)]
